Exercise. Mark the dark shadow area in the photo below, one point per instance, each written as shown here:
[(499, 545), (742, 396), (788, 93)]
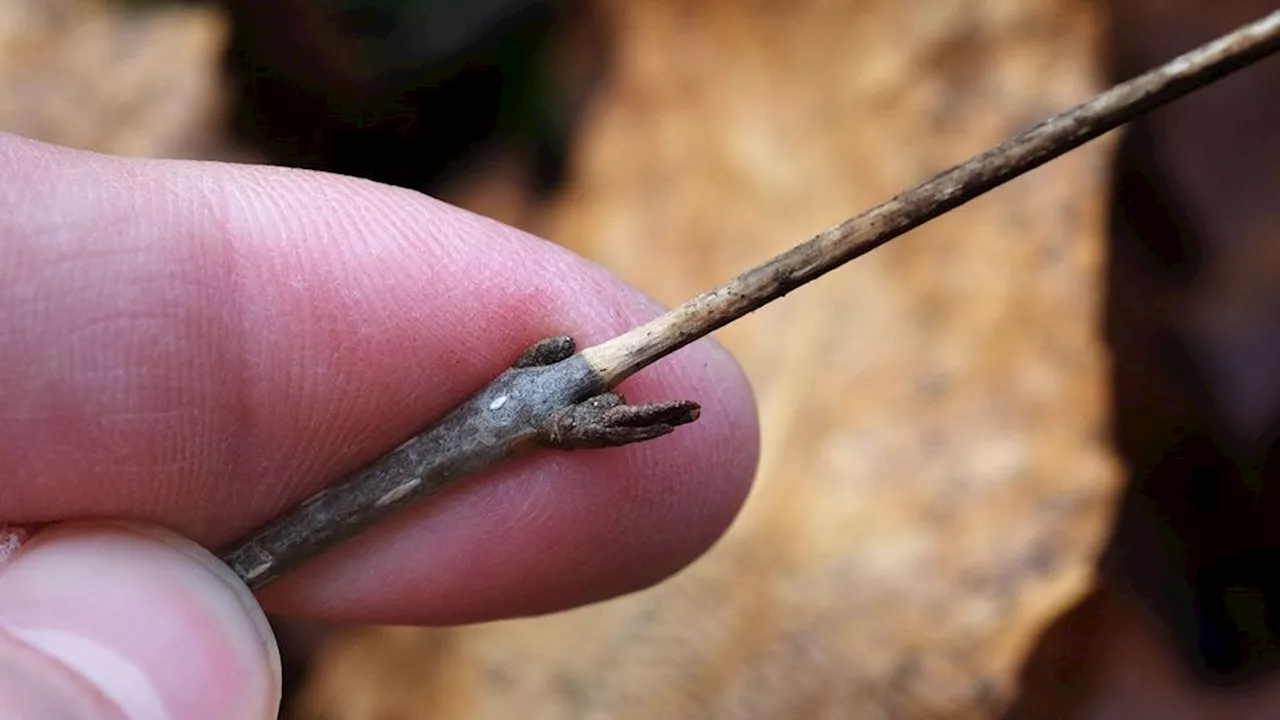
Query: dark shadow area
[(410, 93), (1197, 536), (1193, 327)]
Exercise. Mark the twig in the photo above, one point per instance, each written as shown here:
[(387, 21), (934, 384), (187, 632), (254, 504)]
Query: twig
[(554, 397)]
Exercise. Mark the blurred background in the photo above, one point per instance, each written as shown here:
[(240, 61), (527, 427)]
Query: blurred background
[(1014, 464)]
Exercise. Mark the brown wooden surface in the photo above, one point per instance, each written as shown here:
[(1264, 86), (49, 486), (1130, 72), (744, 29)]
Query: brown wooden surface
[(933, 487)]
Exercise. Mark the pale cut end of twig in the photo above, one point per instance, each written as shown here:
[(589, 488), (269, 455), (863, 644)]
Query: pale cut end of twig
[(621, 357), (618, 358)]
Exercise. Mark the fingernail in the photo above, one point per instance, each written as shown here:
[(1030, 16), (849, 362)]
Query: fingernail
[(152, 620)]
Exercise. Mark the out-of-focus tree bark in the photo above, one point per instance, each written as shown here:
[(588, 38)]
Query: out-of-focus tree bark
[(934, 484), (92, 75)]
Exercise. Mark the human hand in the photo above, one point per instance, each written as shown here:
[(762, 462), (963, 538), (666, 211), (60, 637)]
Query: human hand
[(201, 346)]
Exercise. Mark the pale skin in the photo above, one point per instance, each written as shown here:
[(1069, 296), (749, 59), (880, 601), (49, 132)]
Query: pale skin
[(203, 345)]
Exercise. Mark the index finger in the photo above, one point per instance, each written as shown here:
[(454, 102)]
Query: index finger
[(204, 345)]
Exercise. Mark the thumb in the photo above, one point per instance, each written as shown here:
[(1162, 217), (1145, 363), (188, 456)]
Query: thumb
[(129, 622)]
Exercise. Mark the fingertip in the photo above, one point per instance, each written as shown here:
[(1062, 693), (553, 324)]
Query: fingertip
[(142, 618), (276, 330), (36, 686)]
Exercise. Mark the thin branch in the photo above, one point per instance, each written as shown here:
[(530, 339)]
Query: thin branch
[(552, 397), (622, 356)]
